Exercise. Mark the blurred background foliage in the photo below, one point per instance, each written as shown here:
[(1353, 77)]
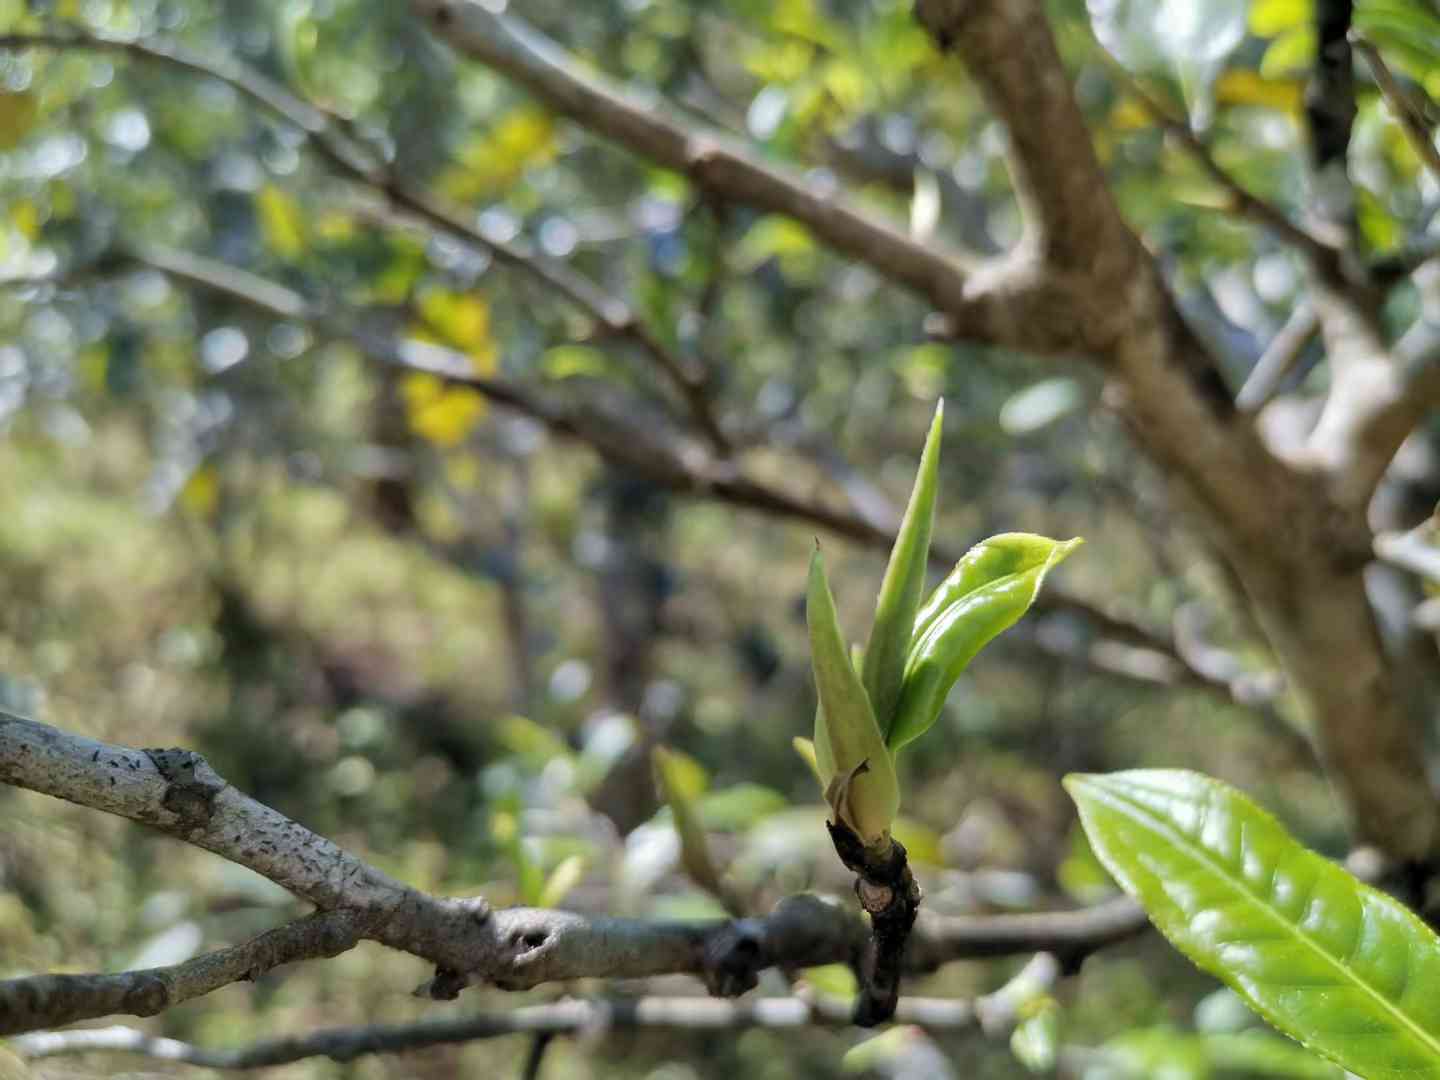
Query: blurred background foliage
[(431, 629)]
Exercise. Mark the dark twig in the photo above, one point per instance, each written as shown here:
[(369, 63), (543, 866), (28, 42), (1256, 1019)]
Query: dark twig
[(535, 1057), (891, 897)]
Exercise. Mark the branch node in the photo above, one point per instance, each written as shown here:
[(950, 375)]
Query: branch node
[(192, 785), (891, 896)]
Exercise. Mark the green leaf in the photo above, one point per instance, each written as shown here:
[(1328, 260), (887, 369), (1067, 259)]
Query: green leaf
[(1339, 966), (860, 778), (990, 588), (674, 777), (561, 880), (903, 586)]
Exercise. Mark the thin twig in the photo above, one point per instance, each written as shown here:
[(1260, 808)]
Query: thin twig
[(329, 135), (1407, 111), (680, 469), (1279, 358), (556, 1018), (1243, 201)]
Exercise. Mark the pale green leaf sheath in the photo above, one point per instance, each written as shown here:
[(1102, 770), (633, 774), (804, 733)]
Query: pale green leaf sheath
[(1343, 968), (987, 593), (904, 585), (859, 775)]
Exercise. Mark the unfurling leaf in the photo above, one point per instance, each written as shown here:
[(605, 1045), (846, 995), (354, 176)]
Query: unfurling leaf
[(848, 746), (987, 592), (903, 586), (1337, 965)]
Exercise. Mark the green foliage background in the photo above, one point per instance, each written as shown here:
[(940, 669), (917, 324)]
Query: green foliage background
[(431, 630)]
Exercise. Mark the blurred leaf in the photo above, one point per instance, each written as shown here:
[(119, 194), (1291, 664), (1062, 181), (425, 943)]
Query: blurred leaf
[(566, 361), (738, 807), (833, 980), (922, 843), (462, 322), (561, 880), (806, 749), (494, 160), (19, 111), (1040, 404), (679, 780), (173, 945), (1035, 1042), (776, 237), (1191, 39), (1343, 968), (1271, 17), (201, 493), (523, 736), (1292, 52), (878, 1051), (281, 222), (440, 413), (1241, 86)]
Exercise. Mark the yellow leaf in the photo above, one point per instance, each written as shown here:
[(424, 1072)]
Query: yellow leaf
[(281, 222), (1243, 87), (440, 414), (1129, 115), (1271, 17), (462, 321), (18, 113), (201, 493), (496, 159), (25, 216), (335, 226)]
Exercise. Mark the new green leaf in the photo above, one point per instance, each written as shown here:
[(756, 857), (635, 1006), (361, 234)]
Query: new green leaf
[(1337, 965), (990, 588), (860, 777), (903, 586)]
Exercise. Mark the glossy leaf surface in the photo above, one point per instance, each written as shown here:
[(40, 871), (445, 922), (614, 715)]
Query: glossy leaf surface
[(991, 587), (1343, 968), (903, 586)]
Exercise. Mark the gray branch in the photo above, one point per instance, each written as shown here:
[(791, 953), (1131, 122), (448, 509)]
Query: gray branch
[(178, 793), (49, 1000)]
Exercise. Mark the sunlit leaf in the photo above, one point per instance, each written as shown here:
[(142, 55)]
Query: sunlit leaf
[(201, 493), (1035, 1042), (439, 413), (991, 587), (1241, 86), (562, 879), (903, 585), (1337, 965), (281, 222)]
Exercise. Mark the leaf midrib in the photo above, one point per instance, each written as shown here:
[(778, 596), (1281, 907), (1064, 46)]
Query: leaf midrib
[(1144, 815)]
